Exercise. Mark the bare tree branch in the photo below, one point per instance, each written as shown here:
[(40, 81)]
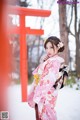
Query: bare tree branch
[(71, 16), (51, 4), (79, 27), (69, 31)]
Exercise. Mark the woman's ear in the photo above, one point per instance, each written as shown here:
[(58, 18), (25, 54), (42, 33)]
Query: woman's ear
[(56, 49)]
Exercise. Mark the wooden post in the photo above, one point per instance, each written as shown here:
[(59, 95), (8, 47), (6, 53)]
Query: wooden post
[(23, 59)]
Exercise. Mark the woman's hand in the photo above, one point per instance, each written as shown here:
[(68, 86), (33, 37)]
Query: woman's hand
[(44, 58)]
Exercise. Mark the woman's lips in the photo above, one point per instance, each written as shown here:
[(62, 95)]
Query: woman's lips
[(49, 54)]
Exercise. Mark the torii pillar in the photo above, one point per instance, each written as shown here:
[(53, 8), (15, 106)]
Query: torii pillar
[(22, 30)]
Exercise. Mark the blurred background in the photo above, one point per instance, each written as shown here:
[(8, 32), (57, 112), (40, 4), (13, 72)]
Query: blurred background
[(64, 22)]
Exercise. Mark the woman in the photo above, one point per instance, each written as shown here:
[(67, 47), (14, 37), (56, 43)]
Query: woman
[(43, 94)]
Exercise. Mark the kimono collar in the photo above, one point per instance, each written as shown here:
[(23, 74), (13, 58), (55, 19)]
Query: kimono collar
[(57, 58)]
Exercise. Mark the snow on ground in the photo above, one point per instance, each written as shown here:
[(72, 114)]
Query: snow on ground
[(67, 106)]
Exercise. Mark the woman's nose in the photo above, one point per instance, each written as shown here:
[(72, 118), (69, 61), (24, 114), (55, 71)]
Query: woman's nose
[(48, 50)]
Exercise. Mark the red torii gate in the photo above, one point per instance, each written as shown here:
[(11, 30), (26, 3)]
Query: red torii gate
[(22, 30)]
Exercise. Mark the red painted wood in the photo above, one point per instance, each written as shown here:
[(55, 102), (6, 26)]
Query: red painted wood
[(4, 57), (28, 11), (23, 59), (27, 31), (22, 30)]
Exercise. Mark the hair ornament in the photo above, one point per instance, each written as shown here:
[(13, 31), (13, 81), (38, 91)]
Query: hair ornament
[(45, 41), (60, 45)]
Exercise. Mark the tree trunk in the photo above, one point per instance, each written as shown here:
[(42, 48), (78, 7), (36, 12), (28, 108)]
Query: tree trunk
[(77, 38), (63, 30)]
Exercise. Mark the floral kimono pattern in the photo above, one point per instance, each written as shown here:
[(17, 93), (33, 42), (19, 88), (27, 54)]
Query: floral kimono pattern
[(42, 92)]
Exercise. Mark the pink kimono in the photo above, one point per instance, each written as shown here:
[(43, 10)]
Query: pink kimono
[(42, 92)]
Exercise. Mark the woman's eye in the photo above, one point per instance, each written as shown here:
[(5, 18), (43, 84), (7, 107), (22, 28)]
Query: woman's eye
[(49, 48)]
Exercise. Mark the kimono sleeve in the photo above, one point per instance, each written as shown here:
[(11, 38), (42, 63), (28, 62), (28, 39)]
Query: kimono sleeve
[(31, 95), (51, 71), (47, 80)]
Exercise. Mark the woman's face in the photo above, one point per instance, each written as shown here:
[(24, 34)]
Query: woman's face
[(50, 50)]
